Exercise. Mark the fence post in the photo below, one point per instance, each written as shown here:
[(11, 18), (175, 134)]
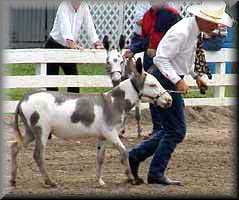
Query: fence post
[(40, 69), (219, 91)]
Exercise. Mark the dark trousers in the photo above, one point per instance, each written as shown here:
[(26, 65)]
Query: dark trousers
[(172, 131), (53, 68)]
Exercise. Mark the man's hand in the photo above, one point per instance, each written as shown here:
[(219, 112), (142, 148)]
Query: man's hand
[(128, 54), (140, 22), (73, 45), (202, 85), (182, 86), (98, 45), (151, 52)]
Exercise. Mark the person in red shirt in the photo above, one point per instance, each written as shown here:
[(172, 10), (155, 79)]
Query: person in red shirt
[(155, 23)]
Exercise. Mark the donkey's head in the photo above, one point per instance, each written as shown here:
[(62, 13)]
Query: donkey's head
[(148, 87), (115, 61)]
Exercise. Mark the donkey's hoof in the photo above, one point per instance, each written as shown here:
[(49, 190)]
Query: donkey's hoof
[(122, 137), (122, 132), (129, 180), (13, 183), (139, 131), (50, 184), (101, 183), (136, 181)]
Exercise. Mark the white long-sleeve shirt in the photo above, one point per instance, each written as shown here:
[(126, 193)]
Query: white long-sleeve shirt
[(68, 22), (176, 51)]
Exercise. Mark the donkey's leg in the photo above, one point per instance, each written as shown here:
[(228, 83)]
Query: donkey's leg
[(100, 160), (138, 118), (123, 128), (15, 148), (41, 135), (123, 153)]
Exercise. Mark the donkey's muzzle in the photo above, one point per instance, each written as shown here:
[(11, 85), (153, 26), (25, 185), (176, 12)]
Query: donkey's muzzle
[(168, 103), (115, 83), (116, 78), (165, 102)]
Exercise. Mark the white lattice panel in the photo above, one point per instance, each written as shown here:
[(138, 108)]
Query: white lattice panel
[(129, 13), (111, 17), (117, 17), (106, 19)]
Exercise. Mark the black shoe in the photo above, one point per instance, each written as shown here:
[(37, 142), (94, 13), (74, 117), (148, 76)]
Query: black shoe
[(164, 180), (134, 166), (50, 136)]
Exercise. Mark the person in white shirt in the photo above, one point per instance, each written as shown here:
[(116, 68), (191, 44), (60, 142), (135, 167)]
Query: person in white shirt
[(70, 17), (174, 59)]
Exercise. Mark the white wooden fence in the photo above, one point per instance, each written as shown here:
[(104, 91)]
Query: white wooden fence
[(40, 57)]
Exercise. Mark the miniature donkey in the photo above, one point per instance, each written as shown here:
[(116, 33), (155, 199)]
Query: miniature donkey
[(119, 69), (71, 116)]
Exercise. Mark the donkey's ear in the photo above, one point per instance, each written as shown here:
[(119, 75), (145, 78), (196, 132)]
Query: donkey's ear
[(106, 42), (139, 66), (122, 42)]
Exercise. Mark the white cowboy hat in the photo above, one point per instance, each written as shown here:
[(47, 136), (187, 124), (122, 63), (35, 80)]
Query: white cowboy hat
[(213, 11)]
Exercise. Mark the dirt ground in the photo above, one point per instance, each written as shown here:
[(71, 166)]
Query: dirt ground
[(205, 162)]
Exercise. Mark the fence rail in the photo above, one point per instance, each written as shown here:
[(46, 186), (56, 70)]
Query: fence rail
[(40, 57)]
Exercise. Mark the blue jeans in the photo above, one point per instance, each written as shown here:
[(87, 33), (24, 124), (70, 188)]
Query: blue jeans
[(163, 143), (147, 62), (154, 110)]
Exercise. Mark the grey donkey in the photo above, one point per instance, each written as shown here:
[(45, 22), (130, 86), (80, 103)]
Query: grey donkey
[(73, 116)]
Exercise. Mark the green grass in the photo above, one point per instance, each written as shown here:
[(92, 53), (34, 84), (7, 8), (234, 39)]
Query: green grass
[(29, 69), (197, 94), (85, 69)]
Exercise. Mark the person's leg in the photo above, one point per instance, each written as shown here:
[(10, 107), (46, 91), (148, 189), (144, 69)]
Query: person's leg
[(155, 118), (149, 67), (174, 128), (52, 69), (154, 110), (71, 69), (142, 151)]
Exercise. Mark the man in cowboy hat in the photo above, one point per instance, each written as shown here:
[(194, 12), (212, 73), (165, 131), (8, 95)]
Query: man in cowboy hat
[(174, 59)]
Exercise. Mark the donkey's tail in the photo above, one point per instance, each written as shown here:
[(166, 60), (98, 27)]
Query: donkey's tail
[(16, 125)]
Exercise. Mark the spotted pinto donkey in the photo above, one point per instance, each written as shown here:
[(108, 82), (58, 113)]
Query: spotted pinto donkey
[(72, 116)]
